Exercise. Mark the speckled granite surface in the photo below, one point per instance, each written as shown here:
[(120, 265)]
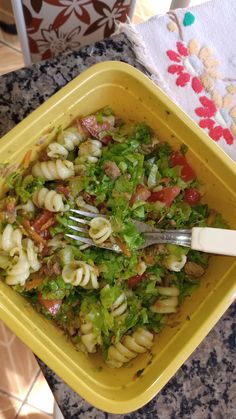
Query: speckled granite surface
[(205, 386)]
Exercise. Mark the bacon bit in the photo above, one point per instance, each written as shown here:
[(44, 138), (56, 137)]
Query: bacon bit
[(64, 190), (43, 156), (48, 224), (123, 247), (89, 199), (34, 283), (93, 127), (141, 193), (41, 221), (134, 280), (53, 306), (112, 170), (26, 159), (106, 140), (10, 205), (32, 233)]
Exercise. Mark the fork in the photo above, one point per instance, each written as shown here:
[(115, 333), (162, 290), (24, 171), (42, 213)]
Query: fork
[(205, 239)]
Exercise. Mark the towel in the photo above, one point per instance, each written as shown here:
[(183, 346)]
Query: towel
[(191, 55)]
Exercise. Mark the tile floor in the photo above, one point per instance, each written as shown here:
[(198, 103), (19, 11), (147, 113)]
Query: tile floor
[(24, 393)]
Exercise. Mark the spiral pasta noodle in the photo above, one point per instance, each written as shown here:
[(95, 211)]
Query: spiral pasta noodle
[(19, 271), (80, 273), (87, 336), (169, 304), (132, 345), (90, 150), (100, 229), (24, 262), (50, 200), (80, 202), (67, 140), (10, 239), (119, 306), (32, 256), (54, 169)]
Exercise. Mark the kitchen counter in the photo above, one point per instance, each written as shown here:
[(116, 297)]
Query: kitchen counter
[(205, 386)]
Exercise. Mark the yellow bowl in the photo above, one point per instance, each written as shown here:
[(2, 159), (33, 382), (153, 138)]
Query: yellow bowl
[(132, 96)]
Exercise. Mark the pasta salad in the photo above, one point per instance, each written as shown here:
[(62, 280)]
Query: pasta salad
[(103, 301)]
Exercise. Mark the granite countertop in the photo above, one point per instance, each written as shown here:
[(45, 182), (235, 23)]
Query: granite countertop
[(205, 386)]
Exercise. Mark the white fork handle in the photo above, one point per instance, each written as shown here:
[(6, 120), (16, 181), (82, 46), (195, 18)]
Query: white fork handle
[(214, 240)]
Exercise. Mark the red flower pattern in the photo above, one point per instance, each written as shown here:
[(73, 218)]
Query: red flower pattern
[(183, 76), (208, 109), (207, 112)]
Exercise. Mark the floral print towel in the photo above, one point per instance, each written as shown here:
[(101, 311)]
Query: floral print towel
[(193, 53)]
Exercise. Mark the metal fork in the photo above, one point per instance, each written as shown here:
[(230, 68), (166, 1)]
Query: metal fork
[(206, 239)]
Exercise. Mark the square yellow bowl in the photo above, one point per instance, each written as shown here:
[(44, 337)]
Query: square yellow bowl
[(132, 96)]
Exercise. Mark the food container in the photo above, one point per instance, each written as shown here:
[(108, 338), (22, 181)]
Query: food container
[(132, 96)]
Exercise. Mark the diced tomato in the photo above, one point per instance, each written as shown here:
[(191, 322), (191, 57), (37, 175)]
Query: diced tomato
[(187, 173), (134, 280), (53, 306), (192, 196), (43, 221), (141, 193), (93, 127), (106, 140), (64, 190), (165, 195)]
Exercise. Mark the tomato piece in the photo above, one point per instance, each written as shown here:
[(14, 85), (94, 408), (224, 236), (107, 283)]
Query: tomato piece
[(141, 193), (53, 306), (93, 127), (187, 173), (106, 140), (42, 219), (64, 190), (134, 280), (192, 196), (165, 195)]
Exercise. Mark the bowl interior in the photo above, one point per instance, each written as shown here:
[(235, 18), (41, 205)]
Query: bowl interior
[(132, 97)]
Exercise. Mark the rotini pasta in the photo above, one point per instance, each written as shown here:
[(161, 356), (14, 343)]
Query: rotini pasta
[(10, 239), (87, 336), (100, 230), (67, 140), (50, 200), (80, 273), (119, 306), (19, 272), (80, 202), (123, 174), (35, 265), (169, 304), (132, 345), (54, 169), (90, 150), (174, 263)]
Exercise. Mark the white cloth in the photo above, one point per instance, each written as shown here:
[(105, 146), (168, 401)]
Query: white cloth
[(192, 55)]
